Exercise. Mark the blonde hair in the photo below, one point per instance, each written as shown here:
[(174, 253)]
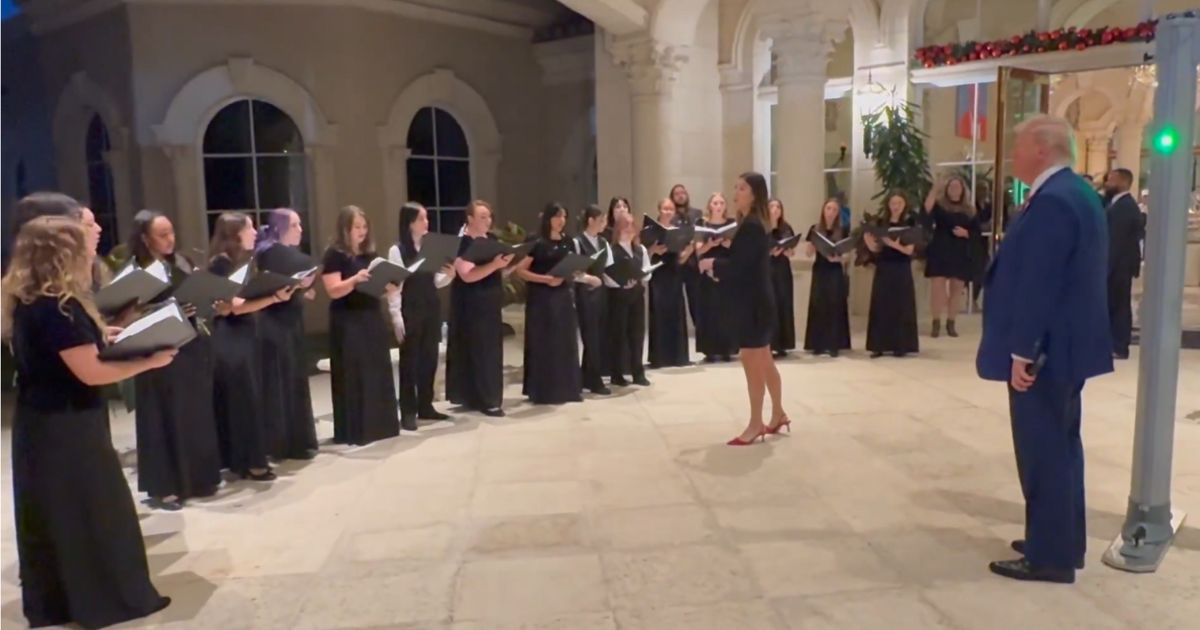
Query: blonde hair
[(1054, 133), (50, 259), (708, 206)]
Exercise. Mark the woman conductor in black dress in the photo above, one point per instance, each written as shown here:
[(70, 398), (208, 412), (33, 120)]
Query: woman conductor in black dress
[(237, 375), (715, 328), (892, 322), (948, 258), (286, 399), (80, 550), (827, 330), (591, 301), (360, 365), (747, 275), (668, 317), (475, 349), (177, 452), (417, 319), (784, 338)]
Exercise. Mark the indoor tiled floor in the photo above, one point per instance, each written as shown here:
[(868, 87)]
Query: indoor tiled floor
[(880, 510)]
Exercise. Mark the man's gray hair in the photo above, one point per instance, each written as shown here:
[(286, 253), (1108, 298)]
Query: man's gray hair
[(1053, 133)]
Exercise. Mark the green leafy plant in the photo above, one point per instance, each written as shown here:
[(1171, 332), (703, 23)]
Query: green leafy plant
[(895, 142), (514, 287)]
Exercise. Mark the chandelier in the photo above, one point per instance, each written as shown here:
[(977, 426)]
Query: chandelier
[(1146, 75)]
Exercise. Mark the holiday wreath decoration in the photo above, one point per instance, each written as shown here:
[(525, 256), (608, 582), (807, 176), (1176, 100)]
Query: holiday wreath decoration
[(1033, 42)]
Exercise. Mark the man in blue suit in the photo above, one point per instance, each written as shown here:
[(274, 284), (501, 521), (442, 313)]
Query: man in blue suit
[(1045, 332)]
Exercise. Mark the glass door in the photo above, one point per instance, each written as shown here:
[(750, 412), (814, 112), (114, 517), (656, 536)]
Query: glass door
[(1022, 95)]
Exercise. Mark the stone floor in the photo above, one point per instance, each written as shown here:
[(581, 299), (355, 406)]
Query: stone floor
[(880, 510)]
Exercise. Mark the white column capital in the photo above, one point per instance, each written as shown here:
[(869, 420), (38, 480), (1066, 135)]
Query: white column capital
[(734, 79), (800, 44), (651, 65)]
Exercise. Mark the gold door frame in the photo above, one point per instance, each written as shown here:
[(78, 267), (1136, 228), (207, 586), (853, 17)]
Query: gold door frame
[(1007, 109)]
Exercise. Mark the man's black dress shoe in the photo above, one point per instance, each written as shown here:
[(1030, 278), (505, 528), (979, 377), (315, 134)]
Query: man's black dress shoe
[(1019, 547), (432, 414), (1121, 355), (1021, 570)]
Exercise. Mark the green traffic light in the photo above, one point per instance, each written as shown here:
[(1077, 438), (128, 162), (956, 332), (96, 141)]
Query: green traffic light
[(1166, 140)]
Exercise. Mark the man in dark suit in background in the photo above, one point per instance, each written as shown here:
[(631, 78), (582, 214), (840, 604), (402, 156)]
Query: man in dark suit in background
[(1045, 332), (1126, 228)]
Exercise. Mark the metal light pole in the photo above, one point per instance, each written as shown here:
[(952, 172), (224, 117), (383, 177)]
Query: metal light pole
[(1150, 523)]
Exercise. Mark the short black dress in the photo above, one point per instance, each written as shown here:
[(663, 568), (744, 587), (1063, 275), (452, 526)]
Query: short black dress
[(950, 256), (746, 274)]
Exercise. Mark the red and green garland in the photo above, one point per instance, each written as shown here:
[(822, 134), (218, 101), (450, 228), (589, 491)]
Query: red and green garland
[(1033, 42)]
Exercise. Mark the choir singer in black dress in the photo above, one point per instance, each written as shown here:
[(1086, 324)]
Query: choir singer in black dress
[(475, 349), (417, 319), (668, 317), (951, 216), (827, 330), (714, 324), (892, 321), (79, 547), (552, 372), (747, 277), (360, 365), (591, 301), (784, 338), (627, 307), (617, 206), (177, 453), (286, 399), (237, 375)]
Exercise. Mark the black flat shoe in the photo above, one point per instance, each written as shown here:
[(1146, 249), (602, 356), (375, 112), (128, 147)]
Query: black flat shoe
[(641, 380), (493, 413), (876, 355), (431, 414), (601, 390), (833, 354), (408, 422), (900, 355), (309, 454), (262, 476), (1019, 547), (1021, 570), (619, 382), (173, 505)]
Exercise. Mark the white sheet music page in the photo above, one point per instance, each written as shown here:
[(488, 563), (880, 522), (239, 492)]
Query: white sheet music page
[(168, 311)]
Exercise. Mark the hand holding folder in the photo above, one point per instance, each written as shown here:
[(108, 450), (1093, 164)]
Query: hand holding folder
[(384, 272), (165, 328)]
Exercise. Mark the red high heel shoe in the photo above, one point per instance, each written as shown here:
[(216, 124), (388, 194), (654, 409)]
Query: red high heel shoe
[(783, 424), (738, 441)]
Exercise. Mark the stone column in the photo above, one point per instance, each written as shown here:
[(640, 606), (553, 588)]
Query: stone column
[(652, 67), (737, 112), (801, 47), (190, 221), (1096, 141)]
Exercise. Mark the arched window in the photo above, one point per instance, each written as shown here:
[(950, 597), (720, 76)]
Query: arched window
[(101, 198), (439, 170), (253, 163)]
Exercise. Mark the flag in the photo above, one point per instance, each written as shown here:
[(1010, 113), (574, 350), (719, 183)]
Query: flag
[(964, 117)]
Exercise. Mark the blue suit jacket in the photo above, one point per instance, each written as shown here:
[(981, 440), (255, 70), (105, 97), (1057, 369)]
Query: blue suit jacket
[(1046, 290)]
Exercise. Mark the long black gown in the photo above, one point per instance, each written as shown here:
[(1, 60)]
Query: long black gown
[(828, 325), (552, 372), (237, 373), (422, 312), (950, 256), (627, 322), (475, 348), (591, 306), (715, 326), (668, 318), (360, 365), (286, 402), (784, 338), (175, 422), (79, 545), (892, 323)]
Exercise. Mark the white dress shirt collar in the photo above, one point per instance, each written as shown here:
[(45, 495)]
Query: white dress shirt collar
[(1041, 179)]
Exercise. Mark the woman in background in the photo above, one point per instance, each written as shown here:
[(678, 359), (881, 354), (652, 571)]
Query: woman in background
[(286, 402), (591, 303), (627, 307), (715, 327), (475, 350), (892, 323), (827, 330), (784, 338), (237, 373), (360, 365), (668, 317), (748, 277), (80, 552), (177, 453), (417, 319), (951, 215)]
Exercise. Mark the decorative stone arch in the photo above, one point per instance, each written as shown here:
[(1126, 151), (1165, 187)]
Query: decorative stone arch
[(1086, 12), (181, 136), (444, 90), (81, 100)]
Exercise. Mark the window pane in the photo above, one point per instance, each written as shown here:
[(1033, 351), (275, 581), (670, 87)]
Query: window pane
[(274, 131), (449, 220), (420, 132), (281, 182), (212, 222), (421, 186), (97, 140), (454, 183), (229, 131), (229, 183), (451, 142)]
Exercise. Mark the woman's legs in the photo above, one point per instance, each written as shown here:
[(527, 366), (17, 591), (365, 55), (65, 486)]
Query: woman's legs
[(937, 297), (774, 385), (755, 388), (953, 300)]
